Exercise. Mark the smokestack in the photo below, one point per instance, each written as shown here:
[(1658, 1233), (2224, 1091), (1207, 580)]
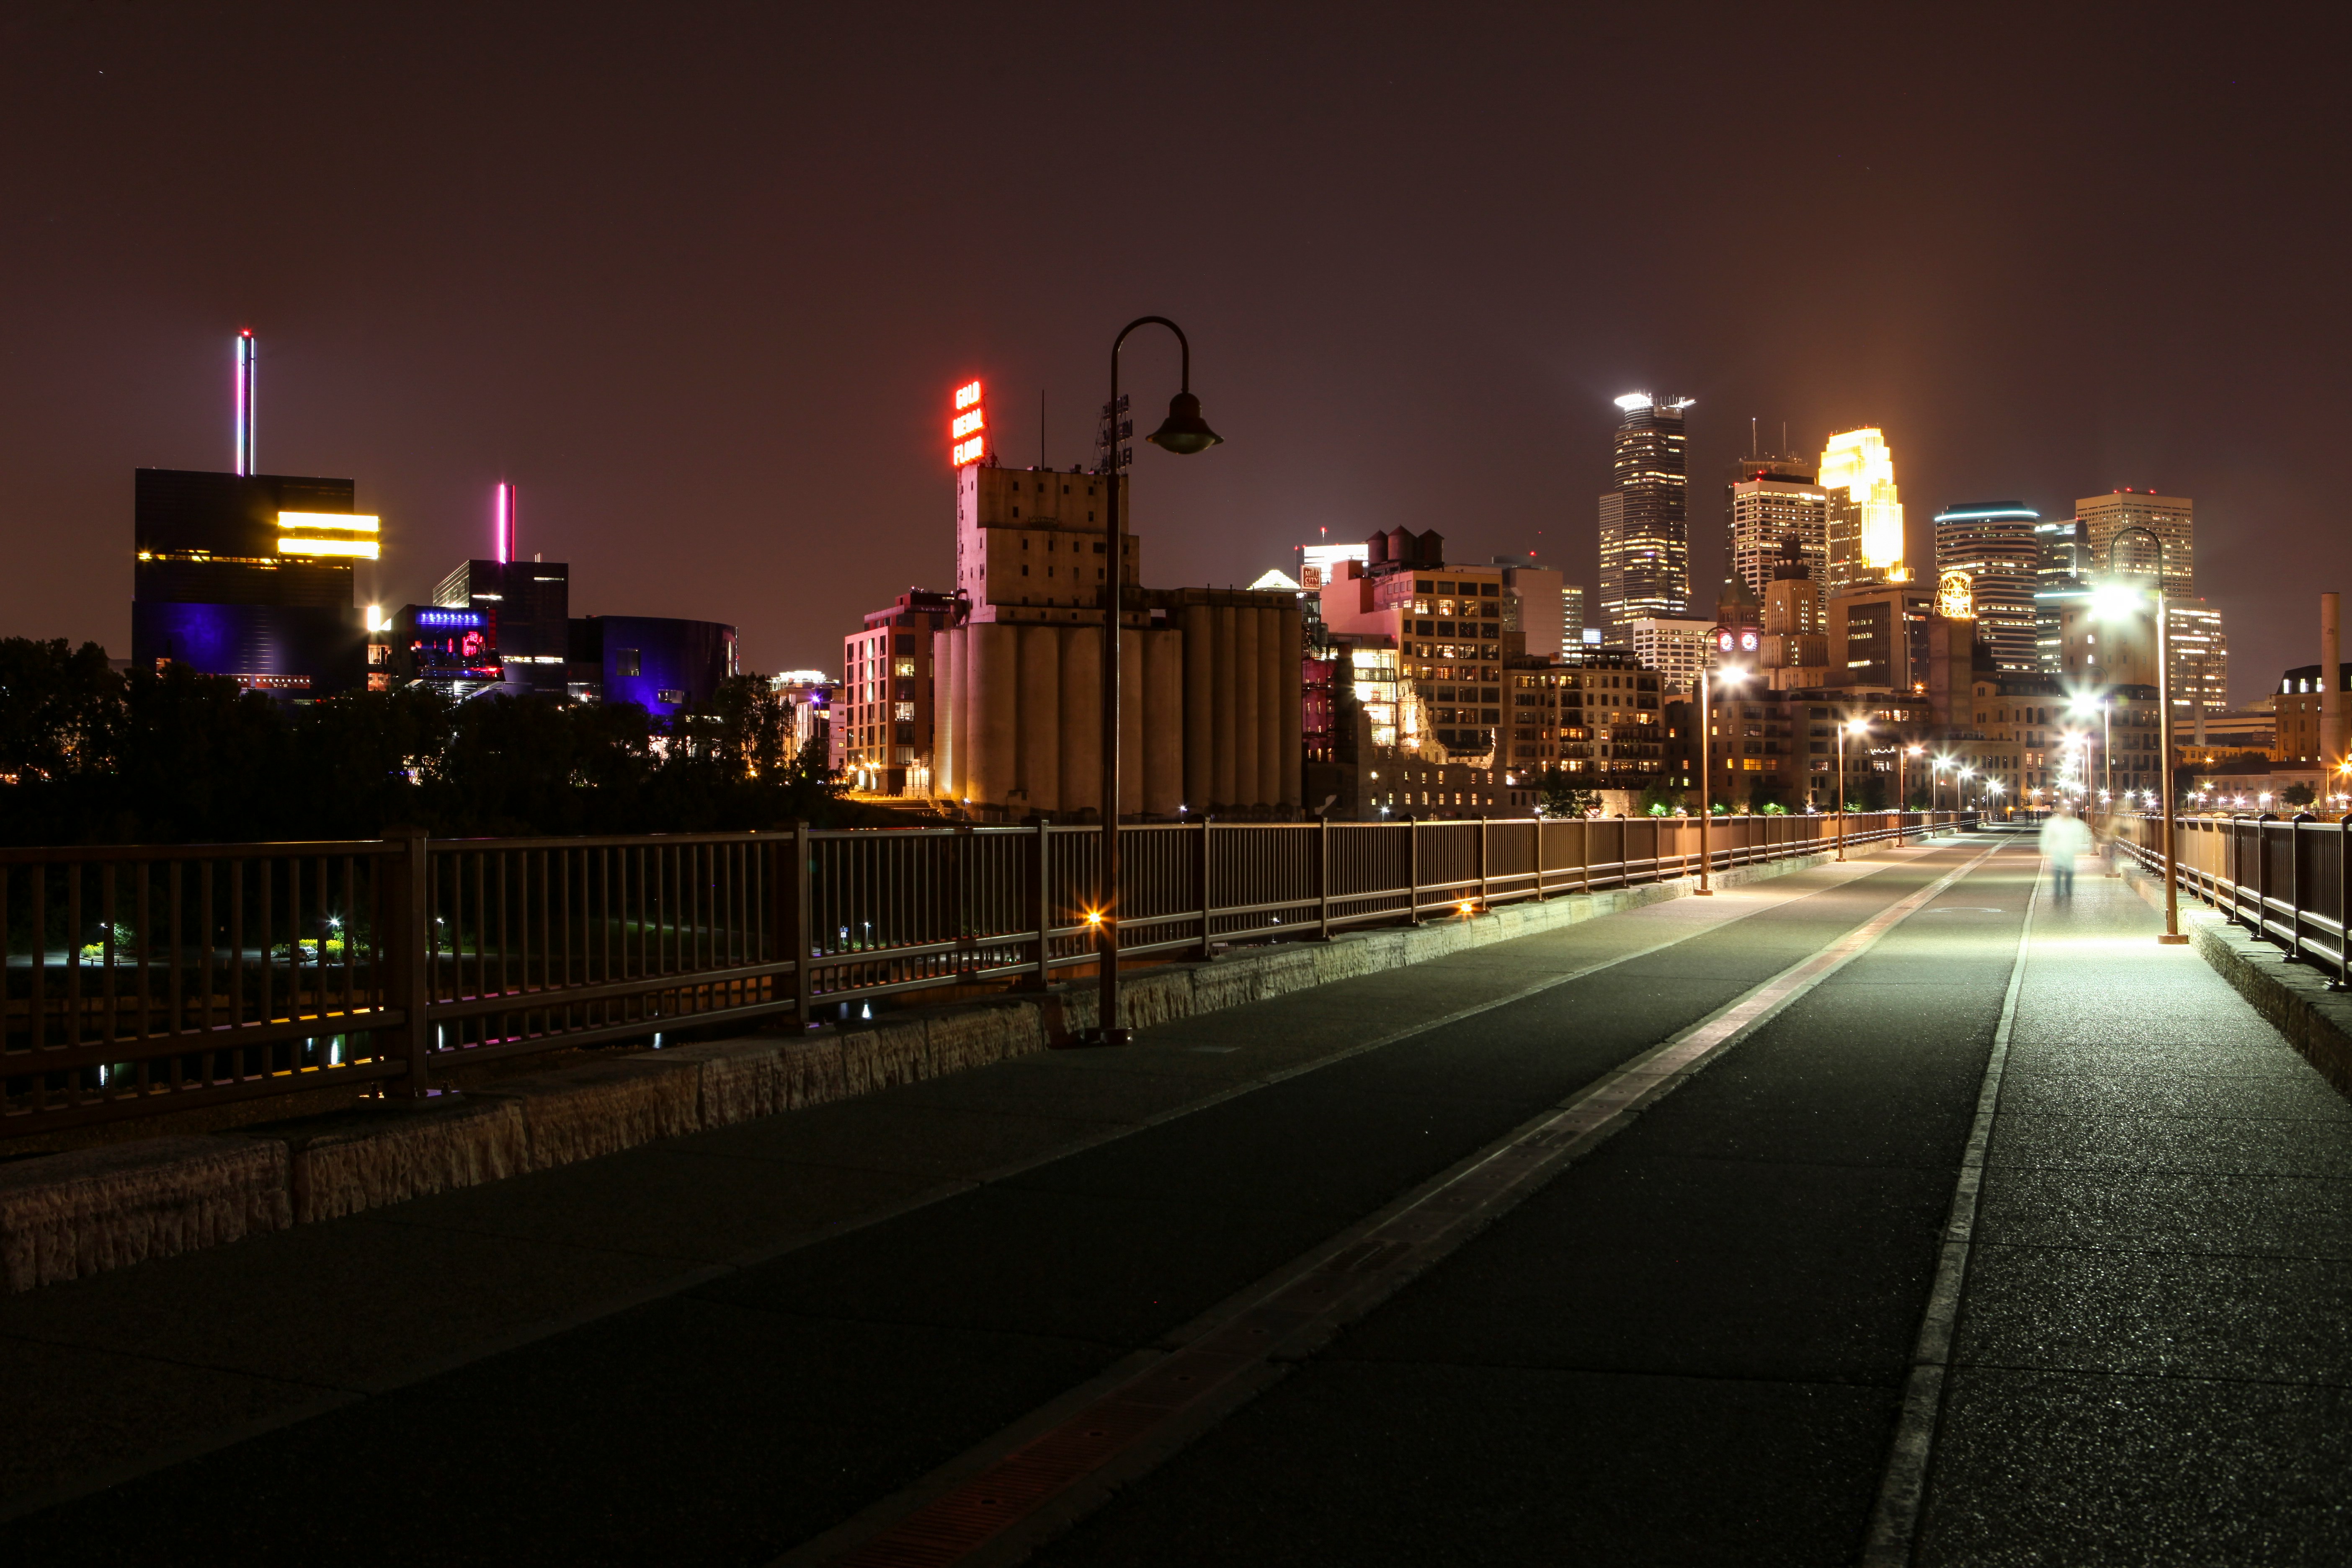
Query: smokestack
[(2331, 682), (244, 396)]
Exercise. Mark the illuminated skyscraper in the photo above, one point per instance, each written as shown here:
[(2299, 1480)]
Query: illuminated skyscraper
[(1865, 514), (2198, 648), (1645, 517), (2171, 519), (1770, 501), (2061, 573), (1995, 545)]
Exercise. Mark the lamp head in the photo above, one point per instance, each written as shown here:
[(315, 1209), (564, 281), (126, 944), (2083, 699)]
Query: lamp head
[(2113, 601), (1184, 432)]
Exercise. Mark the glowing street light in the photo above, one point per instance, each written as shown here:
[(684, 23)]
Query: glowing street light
[(1728, 642), (1850, 727)]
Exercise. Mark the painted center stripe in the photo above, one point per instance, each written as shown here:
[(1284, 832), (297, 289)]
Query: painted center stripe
[(1301, 1305)]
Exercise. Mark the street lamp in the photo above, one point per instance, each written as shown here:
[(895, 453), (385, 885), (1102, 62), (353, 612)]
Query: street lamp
[(1960, 787), (2172, 935), (1726, 640), (2104, 709), (1903, 786), (1184, 432), (1849, 727)]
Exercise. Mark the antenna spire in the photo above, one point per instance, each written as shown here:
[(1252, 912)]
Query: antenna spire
[(504, 525), (244, 396)]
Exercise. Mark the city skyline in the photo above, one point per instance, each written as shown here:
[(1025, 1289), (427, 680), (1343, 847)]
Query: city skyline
[(638, 305)]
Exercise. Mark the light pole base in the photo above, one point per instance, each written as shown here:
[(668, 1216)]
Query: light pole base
[(1702, 892), (1104, 1037), (2173, 939)]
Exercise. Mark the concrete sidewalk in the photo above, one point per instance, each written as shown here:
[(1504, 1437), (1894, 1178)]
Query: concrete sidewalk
[(2155, 1340)]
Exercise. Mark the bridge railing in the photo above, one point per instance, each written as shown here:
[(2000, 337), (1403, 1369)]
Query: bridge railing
[(2284, 881), (142, 979)]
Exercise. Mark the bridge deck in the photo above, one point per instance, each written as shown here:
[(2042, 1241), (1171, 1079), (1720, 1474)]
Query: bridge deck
[(1694, 1341)]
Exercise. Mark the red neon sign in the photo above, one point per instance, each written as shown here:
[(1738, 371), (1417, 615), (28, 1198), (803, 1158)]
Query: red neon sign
[(966, 442)]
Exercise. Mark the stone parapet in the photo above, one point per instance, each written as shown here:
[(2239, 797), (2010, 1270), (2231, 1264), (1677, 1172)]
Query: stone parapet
[(65, 1215)]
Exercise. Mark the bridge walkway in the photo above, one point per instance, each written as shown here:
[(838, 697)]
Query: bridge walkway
[(1693, 1342)]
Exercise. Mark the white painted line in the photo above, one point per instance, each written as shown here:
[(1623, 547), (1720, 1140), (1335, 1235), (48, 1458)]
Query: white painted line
[(1895, 1520)]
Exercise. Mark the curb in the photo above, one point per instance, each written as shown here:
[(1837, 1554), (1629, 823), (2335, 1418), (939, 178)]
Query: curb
[(63, 1216), (2292, 996)]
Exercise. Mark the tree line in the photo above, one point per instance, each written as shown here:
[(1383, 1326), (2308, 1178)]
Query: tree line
[(90, 756)]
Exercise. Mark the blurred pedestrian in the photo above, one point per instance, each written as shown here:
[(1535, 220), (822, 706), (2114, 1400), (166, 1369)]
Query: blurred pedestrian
[(2064, 838)]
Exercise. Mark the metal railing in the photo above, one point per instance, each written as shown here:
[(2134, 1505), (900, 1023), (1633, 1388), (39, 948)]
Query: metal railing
[(2284, 881), (142, 979)]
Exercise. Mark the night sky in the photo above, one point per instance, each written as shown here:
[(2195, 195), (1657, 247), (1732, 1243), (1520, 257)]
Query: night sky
[(699, 278)]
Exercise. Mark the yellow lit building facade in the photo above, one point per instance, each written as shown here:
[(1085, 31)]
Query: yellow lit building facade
[(1865, 512)]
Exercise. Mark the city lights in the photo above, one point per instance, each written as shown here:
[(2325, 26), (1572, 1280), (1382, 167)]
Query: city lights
[(326, 523), (292, 545)]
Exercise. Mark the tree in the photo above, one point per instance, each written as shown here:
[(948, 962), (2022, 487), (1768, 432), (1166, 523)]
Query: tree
[(2297, 795), (1559, 795), (87, 755), (60, 709)]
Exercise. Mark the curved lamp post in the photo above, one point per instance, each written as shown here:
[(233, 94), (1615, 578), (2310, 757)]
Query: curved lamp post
[(1184, 432)]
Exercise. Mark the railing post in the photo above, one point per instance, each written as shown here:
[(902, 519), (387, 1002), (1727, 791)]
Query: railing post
[(1208, 903), (2343, 980), (411, 980), (2295, 884), (1041, 907), (804, 944), (1323, 875), (1540, 892), (2262, 876), (1412, 870), (1481, 864)]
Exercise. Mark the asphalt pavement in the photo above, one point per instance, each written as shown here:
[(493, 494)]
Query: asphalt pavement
[(1688, 1346)]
